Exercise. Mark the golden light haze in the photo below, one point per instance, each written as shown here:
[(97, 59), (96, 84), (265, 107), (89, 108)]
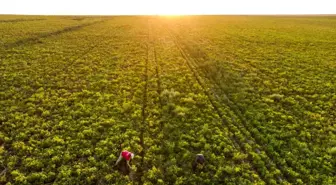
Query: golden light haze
[(166, 7)]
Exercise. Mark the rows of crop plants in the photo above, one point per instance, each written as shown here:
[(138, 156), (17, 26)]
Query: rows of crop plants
[(72, 99), (186, 123), (18, 18), (68, 103), (280, 86), (263, 163), (254, 97), (19, 30)]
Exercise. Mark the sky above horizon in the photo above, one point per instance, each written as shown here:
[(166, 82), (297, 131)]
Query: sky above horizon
[(166, 7)]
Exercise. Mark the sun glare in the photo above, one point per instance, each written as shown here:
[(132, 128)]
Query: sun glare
[(172, 8), (165, 7)]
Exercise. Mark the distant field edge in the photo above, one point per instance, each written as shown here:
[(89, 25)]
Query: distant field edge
[(118, 15)]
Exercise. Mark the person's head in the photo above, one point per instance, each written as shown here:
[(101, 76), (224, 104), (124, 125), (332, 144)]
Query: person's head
[(200, 158)]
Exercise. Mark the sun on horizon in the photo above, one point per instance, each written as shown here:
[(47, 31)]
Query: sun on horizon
[(165, 7)]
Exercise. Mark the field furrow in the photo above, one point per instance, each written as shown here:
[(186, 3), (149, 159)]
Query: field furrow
[(209, 68), (254, 94), (240, 142), (177, 97), (68, 108)]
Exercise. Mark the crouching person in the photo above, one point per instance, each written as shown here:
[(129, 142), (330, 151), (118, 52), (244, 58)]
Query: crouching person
[(125, 157), (199, 162)]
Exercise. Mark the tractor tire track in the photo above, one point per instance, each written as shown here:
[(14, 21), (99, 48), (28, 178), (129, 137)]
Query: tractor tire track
[(36, 39), (261, 72), (159, 89), (213, 99), (144, 114), (19, 20), (157, 66), (205, 56), (66, 67), (157, 72), (281, 166)]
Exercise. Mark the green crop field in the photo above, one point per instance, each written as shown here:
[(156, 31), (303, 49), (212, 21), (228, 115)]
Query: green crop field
[(255, 94)]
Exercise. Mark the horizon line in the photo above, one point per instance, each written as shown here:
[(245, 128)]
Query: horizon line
[(284, 14)]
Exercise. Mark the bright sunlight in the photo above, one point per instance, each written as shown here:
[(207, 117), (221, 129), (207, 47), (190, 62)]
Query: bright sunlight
[(166, 7)]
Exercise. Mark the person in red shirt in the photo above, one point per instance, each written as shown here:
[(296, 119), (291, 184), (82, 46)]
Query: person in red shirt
[(125, 155)]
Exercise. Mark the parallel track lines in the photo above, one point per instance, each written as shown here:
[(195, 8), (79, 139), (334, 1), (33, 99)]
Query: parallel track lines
[(238, 112), (214, 103), (34, 40), (144, 113), (19, 20)]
